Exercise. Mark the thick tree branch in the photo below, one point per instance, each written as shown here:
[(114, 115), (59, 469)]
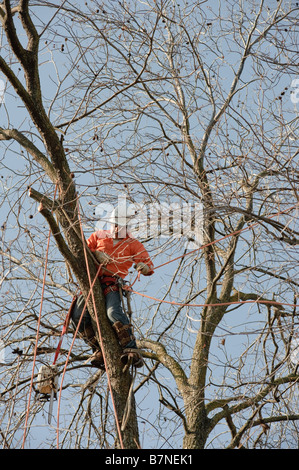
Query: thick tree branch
[(31, 96), (254, 401), (168, 361), (39, 197), (241, 296), (29, 27), (18, 86), (39, 157), (10, 31)]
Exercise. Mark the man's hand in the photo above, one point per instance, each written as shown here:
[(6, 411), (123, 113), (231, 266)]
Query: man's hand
[(142, 268), (102, 257)]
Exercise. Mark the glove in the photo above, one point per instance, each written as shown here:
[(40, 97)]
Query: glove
[(143, 268), (102, 257)]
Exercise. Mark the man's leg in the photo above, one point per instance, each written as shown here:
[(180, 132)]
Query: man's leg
[(122, 327), (86, 332)]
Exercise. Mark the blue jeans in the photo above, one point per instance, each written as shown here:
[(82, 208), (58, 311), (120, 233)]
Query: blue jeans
[(114, 312)]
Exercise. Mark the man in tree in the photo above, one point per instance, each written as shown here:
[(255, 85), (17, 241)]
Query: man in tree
[(115, 250)]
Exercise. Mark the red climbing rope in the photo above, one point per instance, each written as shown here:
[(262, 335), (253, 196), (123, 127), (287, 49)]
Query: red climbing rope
[(100, 334), (69, 353), (37, 332), (91, 283), (218, 304)]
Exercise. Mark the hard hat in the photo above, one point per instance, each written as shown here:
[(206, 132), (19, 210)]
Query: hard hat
[(121, 215)]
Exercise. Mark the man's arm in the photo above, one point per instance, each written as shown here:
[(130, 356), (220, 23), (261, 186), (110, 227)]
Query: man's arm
[(101, 256), (142, 259)]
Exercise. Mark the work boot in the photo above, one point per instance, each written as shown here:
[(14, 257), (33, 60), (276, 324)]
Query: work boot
[(97, 359), (125, 337)]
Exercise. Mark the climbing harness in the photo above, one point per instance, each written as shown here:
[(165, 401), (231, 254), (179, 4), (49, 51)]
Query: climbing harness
[(124, 332), (109, 284), (116, 283), (129, 355), (86, 332)]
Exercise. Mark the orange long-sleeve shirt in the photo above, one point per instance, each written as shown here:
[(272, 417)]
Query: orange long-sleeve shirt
[(124, 252)]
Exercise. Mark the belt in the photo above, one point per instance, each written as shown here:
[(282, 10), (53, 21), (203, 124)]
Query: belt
[(108, 280), (111, 288), (109, 284)]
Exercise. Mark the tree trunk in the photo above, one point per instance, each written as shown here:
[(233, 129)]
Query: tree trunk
[(119, 381), (197, 423)]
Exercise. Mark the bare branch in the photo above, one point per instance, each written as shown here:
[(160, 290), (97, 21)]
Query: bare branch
[(41, 159)]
